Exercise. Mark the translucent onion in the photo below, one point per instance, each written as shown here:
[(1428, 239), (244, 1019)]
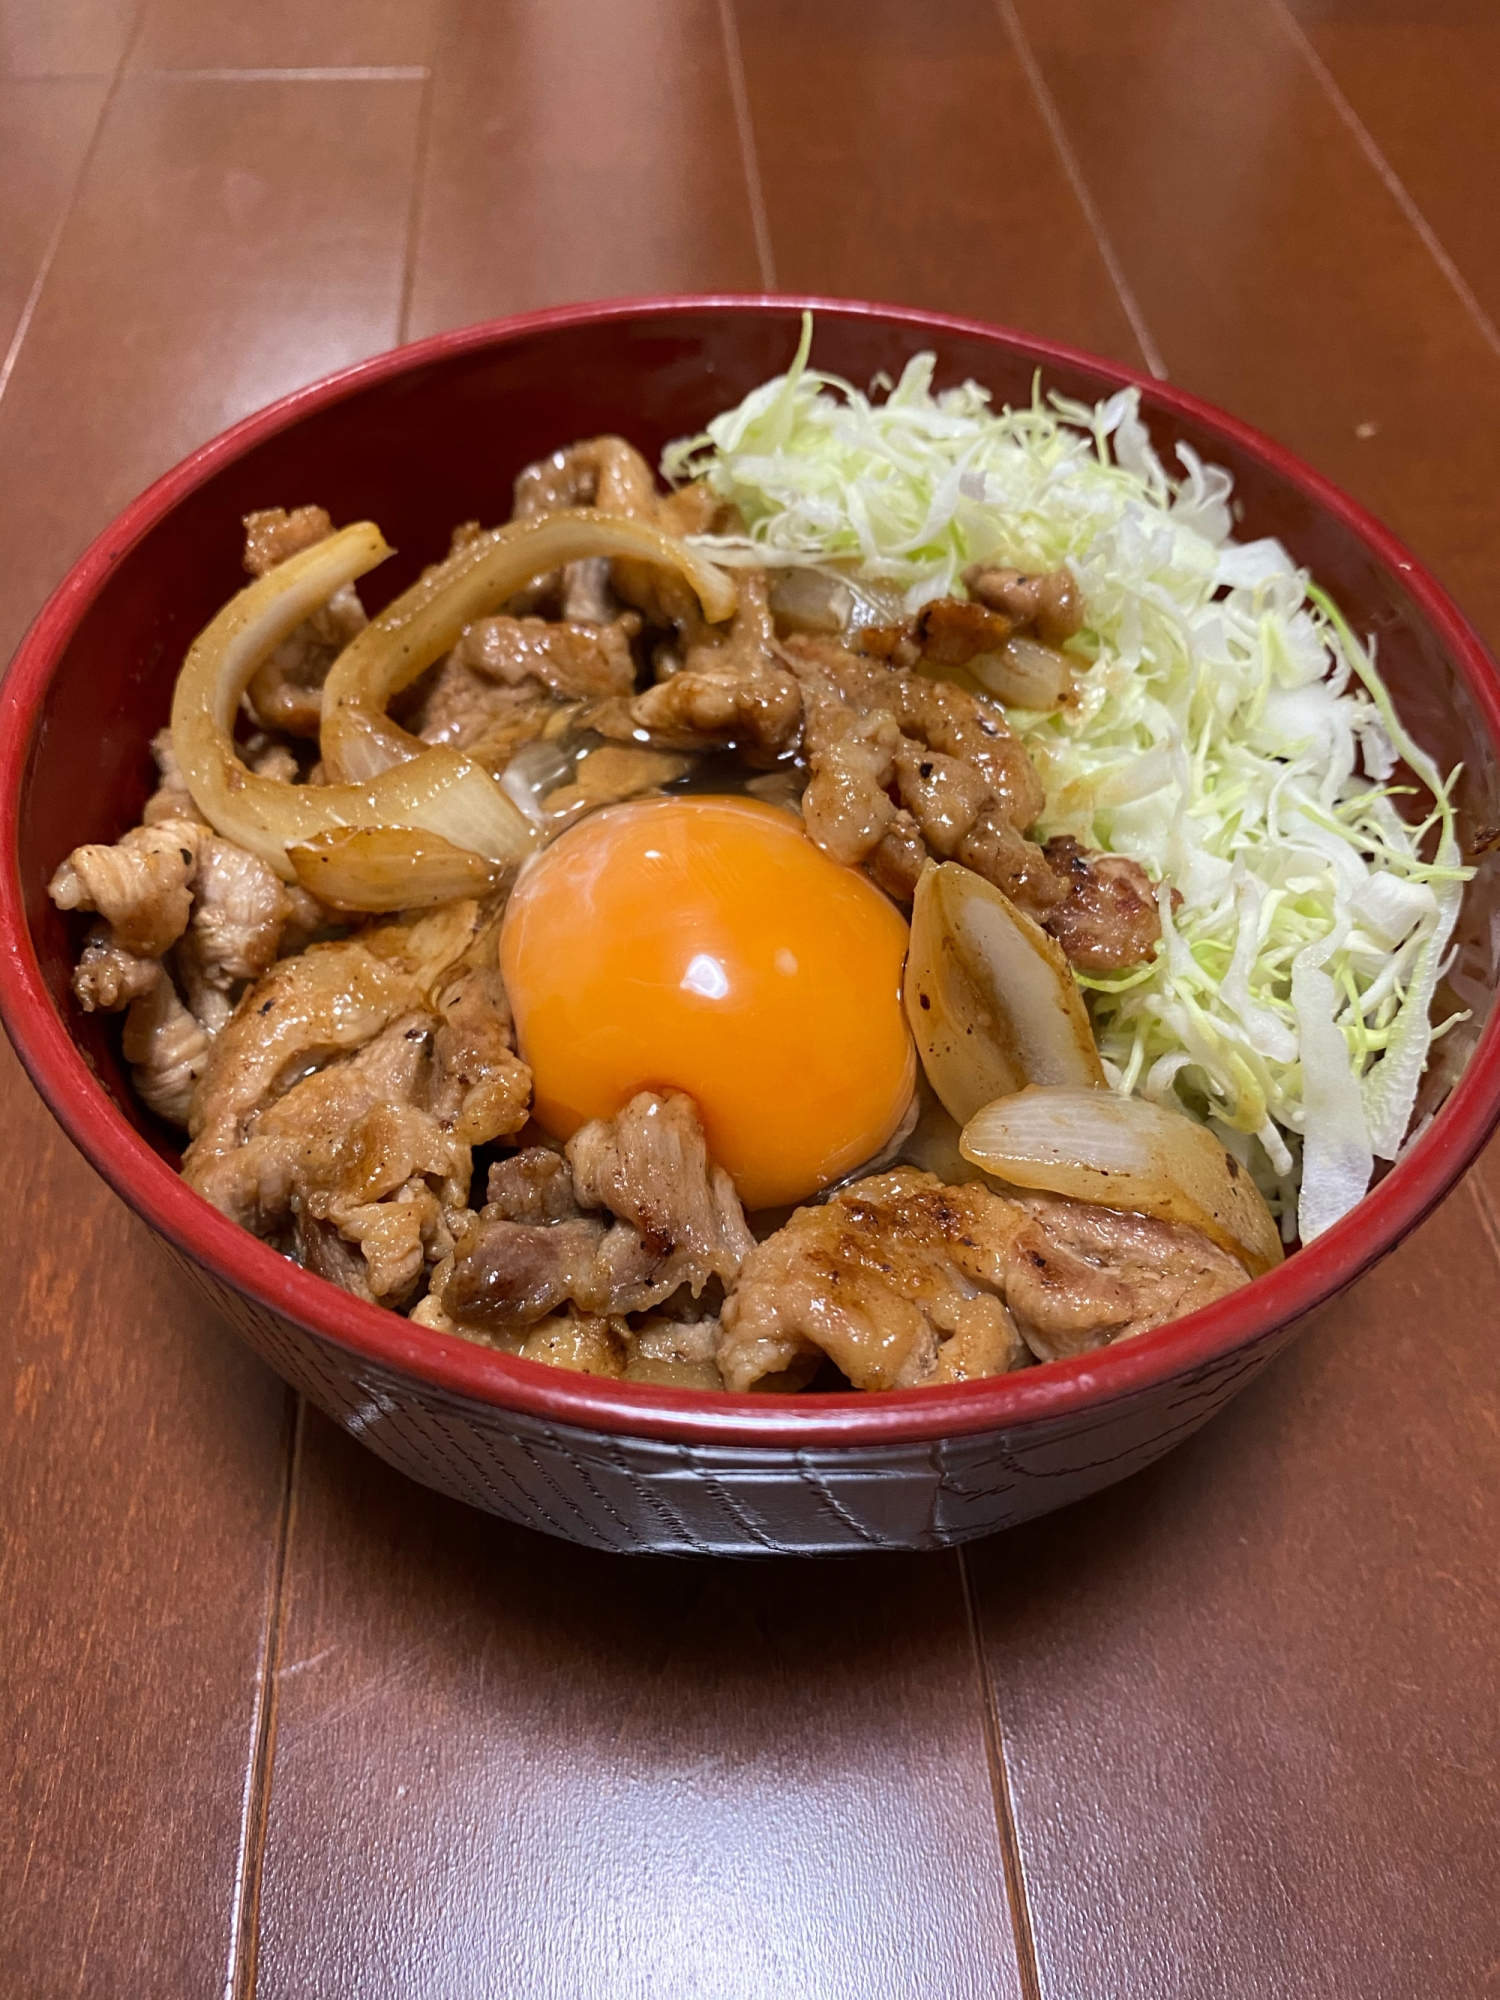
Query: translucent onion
[(1024, 673), (389, 868), (1125, 1152), (537, 768), (811, 600), (992, 1003), (440, 792), (423, 623)]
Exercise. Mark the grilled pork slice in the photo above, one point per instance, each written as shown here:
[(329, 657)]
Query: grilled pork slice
[(1108, 918), (902, 1280), (898, 1280), (1080, 1276), (546, 1237)]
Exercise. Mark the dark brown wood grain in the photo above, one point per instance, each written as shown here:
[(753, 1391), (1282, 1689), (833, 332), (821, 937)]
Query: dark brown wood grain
[(1231, 1728), (143, 1457), (1278, 273), (569, 1772), (1249, 1698), (144, 1481), (904, 157), (65, 38), (1422, 78), (285, 35), (575, 152), (269, 251), (46, 124)]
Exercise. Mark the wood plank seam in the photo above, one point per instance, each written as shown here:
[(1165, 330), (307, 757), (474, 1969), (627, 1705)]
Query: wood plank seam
[(393, 73), (49, 254), (1489, 1221), (244, 1927), (739, 91), (1057, 130), (1395, 187), (1005, 1818), (414, 210)]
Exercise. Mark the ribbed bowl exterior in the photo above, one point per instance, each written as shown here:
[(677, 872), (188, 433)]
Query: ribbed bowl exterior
[(654, 1496)]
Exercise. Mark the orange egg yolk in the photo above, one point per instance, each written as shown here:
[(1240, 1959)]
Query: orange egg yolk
[(706, 945)]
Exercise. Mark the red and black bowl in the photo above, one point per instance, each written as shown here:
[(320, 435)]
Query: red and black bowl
[(433, 434)]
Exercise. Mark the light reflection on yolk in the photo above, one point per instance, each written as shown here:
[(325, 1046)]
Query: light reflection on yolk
[(705, 945)]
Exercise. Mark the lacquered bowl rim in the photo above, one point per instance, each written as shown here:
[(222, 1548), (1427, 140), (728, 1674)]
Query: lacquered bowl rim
[(1058, 1391)]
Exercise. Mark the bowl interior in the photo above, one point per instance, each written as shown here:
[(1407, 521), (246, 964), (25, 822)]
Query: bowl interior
[(438, 437)]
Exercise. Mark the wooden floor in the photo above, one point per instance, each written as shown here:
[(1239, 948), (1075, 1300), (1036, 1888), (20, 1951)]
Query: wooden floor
[(276, 1722)]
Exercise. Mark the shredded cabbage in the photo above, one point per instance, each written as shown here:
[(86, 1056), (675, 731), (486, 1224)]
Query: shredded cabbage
[(1232, 735)]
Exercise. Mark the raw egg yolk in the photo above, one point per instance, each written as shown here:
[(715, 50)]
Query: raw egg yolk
[(705, 945)]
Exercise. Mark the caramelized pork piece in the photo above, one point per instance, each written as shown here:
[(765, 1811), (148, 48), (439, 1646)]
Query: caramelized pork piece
[(171, 799), (480, 1090), (386, 1187), (272, 534), (731, 690), (435, 947), (254, 1177), (319, 1248), (243, 915), (651, 1168), (880, 1278), (967, 791), (506, 1275), (965, 785), (674, 1353), (896, 861), (993, 848), (1048, 603), (608, 473), (331, 999), (479, 716), (944, 795), (1108, 918), (932, 714), (901, 1279), (107, 978), (287, 692), (948, 718), (166, 1049), (677, 1223), (569, 660), (212, 1007), (897, 645), (851, 753), (586, 1343), (602, 472), (349, 1153), (535, 1185), (951, 631), (1078, 1277), (142, 886), (827, 666), (240, 908)]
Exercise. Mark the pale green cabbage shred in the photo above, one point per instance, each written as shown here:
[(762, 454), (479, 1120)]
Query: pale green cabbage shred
[(1232, 735)]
